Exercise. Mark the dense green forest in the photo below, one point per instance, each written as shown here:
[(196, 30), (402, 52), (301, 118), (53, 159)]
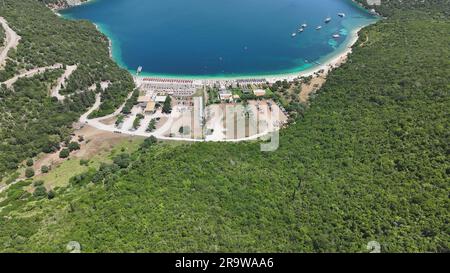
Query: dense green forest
[(369, 159), (394, 7), (39, 123)]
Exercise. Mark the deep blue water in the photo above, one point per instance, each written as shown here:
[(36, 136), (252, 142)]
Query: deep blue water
[(221, 37)]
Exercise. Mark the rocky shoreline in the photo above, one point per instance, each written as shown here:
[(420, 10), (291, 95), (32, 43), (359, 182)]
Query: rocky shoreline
[(64, 4)]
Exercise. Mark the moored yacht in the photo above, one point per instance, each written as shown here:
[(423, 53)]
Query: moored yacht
[(327, 20), (342, 15), (319, 28)]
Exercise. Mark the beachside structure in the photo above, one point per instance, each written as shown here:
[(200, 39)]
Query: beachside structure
[(259, 92), (225, 95), (150, 108), (172, 87), (160, 99), (251, 81), (144, 99)]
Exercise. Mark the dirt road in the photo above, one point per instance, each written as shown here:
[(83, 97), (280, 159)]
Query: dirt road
[(61, 81), (29, 74), (12, 40)]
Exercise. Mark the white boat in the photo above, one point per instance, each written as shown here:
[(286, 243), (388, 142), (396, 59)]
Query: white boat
[(336, 36), (319, 28), (327, 20), (304, 26), (301, 30), (293, 34), (342, 15)]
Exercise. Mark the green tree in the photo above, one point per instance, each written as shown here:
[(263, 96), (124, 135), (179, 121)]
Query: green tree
[(122, 160), (148, 142), (29, 172), (73, 146), (64, 153), (119, 120), (84, 162), (137, 121), (167, 106), (51, 194), (30, 162), (44, 169), (40, 192), (151, 125), (38, 183)]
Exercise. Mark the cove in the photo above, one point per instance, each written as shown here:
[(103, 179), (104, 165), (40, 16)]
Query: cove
[(223, 38)]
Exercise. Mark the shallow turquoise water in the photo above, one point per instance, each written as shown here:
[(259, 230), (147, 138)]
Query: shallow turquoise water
[(207, 38)]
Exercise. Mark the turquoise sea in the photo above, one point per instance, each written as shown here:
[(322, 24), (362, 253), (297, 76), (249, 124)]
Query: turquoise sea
[(222, 38)]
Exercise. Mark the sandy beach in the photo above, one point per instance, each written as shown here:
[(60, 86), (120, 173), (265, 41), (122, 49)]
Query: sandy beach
[(333, 60)]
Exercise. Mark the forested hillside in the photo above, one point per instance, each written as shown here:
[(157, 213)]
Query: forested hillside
[(369, 160), (394, 7), (31, 120)]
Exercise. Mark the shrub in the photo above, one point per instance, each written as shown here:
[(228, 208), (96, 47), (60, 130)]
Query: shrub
[(51, 194), (64, 153), (30, 162), (137, 121), (84, 162), (148, 142), (167, 106), (29, 172), (38, 183), (40, 192), (122, 160), (73, 146), (45, 169), (151, 126)]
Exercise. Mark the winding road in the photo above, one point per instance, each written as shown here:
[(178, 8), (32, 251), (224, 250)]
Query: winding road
[(12, 40), (61, 81), (9, 83)]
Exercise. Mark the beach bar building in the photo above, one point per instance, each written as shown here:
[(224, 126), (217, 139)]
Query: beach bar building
[(150, 108), (259, 92)]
